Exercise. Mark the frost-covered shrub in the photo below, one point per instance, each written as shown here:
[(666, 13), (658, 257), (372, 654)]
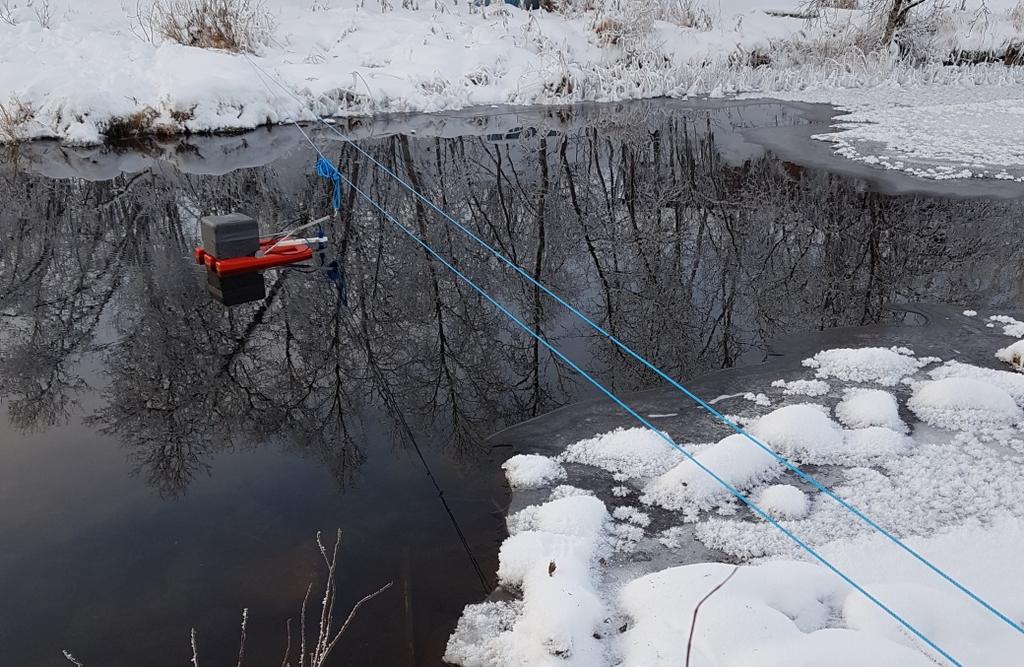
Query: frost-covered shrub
[(685, 13), (1017, 16), (14, 118), (233, 25)]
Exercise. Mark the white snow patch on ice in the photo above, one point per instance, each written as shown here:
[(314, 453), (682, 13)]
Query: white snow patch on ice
[(734, 459), (552, 561), (1011, 326), (886, 366), (861, 408), (1012, 383), (963, 403), (771, 614), (530, 471), (803, 431), (632, 515), (970, 313), (1013, 354), (758, 399), (633, 452), (803, 387), (783, 501)]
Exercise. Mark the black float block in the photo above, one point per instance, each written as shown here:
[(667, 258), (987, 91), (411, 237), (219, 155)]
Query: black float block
[(233, 290)]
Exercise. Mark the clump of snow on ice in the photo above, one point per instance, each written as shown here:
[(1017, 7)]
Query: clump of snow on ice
[(1013, 355), (1011, 326), (739, 420), (970, 313), (552, 561), (531, 471), (566, 490), (771, 614), (874, 444), (734, 459), (1012, 383), (758, 399), (962, 403), (861, 408), (631, 452), (632, 515), (621, 491), (803, 387), (672, 538), (803, 431), (483, 633), (783, 501), (886, 366), (625, 536)]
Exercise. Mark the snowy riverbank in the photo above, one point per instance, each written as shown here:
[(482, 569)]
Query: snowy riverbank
[(79, 73), (622, 538)]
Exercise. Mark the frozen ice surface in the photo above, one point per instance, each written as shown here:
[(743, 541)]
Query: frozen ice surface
[(953, 488)]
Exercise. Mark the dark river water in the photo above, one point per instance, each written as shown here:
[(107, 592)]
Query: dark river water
[(166, 461)]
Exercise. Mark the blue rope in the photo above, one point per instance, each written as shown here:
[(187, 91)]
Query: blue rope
[(729, 487), (326, 169)]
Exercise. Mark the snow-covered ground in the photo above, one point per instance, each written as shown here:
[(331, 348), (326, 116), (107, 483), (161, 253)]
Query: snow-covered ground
[(76, 69), (931, 449)]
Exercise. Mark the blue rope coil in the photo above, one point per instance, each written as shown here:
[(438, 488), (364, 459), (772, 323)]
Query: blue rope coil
[(326, 169)]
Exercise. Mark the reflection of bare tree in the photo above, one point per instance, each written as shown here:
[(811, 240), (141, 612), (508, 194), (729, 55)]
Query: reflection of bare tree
[(687, 255)]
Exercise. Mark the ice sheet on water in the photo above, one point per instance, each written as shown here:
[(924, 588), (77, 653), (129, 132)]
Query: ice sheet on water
[(954, 488)]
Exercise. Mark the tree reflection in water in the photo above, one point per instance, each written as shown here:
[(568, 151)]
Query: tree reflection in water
[(644, 216)]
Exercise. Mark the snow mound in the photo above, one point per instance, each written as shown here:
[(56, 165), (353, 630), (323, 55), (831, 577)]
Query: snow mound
[(886, 366), (803, 431), (1013, 355), (770, 614), (970, 313), (1011, 383), (803, 387), (634, 452), (963, 403), (552, 560), (988, 555), (783, 501), (735, 459), (531, 471), (861, 408)]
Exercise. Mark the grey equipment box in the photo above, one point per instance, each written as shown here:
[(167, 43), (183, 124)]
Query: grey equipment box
[(232, 235)]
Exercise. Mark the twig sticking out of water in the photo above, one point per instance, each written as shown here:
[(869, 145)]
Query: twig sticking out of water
[(693, 623), (241, 641), (195, 650), (326, 637)]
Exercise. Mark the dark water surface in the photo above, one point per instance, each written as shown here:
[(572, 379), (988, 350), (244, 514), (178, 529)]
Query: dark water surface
[(166, 461)]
